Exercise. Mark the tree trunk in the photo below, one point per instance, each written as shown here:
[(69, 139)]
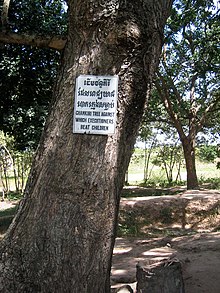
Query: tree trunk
[(62, 238), (189, 155)]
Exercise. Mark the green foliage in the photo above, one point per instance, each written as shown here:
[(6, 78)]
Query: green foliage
[(127, 226), (191, 59), (137, 156), (158, 183), (189, 69), (169, 157), (14, 167), (211, 183), (42, 17), (207, 153), (26, 89), (27, 73), (186, 96)]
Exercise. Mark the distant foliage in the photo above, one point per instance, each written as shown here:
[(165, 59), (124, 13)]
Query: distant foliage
[(14, 166), (27, 73), (170, 159), (207, 153)]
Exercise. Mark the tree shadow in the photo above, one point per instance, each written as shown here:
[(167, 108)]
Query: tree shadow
[(6, 217)]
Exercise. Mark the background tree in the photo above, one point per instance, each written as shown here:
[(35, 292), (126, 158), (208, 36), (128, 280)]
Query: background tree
[(148, 136), (14, 166), (187, 84), (169, 157), (62, 238)]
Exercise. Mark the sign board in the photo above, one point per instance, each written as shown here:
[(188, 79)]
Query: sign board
[(95, 104)]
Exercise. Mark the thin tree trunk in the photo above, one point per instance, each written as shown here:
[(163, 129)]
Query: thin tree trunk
[(63, 235), (15, 161), (147, 155), (178, 166), (3, 184)]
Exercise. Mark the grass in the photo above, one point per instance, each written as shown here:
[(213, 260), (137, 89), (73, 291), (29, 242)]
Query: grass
[(12, 195), (206, 171), (208, 174), (143, 190), (210, 183), (131, 222)]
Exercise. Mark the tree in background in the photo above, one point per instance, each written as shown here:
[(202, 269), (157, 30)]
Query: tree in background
[(14, 166), (162, 148), (187, 83), (62, 237), (149, 137), (169, 157)]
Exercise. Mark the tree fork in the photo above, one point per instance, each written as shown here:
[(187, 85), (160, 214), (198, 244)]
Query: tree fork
[(62, 237)]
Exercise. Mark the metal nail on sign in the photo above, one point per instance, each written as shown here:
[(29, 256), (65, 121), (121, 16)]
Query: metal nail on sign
[(95, 104)]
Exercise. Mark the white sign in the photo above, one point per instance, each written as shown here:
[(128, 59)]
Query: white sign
[(95, 104)]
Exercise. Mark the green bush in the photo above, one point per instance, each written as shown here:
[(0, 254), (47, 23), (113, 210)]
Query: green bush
[(207, 153), (212, 183)]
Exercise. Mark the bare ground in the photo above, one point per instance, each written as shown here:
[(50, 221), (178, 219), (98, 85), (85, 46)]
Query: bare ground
[(191, 220), (184, 226)]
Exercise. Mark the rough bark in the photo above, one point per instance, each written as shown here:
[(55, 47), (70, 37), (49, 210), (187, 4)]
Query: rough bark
[(190, 159), (63, 235)]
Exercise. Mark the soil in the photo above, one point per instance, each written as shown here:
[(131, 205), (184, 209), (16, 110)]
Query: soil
[(184, 226)]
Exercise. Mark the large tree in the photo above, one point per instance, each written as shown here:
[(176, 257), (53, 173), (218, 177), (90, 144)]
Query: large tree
[(187, 83), (62, 237)]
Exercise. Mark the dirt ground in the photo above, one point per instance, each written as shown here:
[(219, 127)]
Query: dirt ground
[(191, 221), (198, 249)]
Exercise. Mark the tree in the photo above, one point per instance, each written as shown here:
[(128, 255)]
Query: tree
[(149, 138), (188, 80), (62, 238), (169, 157)]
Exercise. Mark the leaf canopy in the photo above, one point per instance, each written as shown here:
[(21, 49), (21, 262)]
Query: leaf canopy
[(27, 73)]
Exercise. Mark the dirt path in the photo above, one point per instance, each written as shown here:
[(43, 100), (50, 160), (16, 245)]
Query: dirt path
[(189, 219), (199, 255), (4, 205), (198, 250)]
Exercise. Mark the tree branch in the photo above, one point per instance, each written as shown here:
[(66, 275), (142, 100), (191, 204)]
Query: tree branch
[(207, 111), (172, 85), (164, 95), (159, 120), (54, 42)]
